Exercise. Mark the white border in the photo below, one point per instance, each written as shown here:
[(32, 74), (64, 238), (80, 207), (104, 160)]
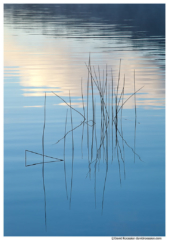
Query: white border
[(2, 107)]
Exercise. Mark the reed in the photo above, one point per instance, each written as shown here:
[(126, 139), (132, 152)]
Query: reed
[(64, 156), (100, 85), (72, 152)]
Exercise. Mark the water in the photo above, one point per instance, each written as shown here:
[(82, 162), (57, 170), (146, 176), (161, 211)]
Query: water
[(119, 190)]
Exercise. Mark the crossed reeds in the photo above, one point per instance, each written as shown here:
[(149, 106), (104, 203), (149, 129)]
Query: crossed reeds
[(111, 103), (106, 93)]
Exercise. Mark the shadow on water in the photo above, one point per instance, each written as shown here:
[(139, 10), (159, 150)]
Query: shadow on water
[(101, 132)]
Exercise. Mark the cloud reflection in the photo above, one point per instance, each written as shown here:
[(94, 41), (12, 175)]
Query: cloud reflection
[(33, 106)]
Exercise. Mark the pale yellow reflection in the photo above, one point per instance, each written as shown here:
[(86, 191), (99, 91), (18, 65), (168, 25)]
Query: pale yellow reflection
[(75, 104), (59, 64), (38, 94)]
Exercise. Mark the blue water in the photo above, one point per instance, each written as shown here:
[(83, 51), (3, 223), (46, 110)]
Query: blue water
[(118, 191)]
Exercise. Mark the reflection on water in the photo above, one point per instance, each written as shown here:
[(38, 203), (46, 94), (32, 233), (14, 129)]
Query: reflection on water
[(47, 60), (94, 145)]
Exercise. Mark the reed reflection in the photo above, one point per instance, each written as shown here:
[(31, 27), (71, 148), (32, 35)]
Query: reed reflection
[(102, 127)]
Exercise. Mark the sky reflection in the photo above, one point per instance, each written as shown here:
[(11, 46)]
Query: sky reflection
[(50, 50), (53, 64)]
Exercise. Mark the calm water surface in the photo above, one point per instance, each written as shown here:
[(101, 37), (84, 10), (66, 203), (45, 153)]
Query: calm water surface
[(105, 178)]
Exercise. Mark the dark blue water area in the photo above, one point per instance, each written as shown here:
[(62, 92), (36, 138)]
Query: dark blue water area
[(125, 211), (93, 205)]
